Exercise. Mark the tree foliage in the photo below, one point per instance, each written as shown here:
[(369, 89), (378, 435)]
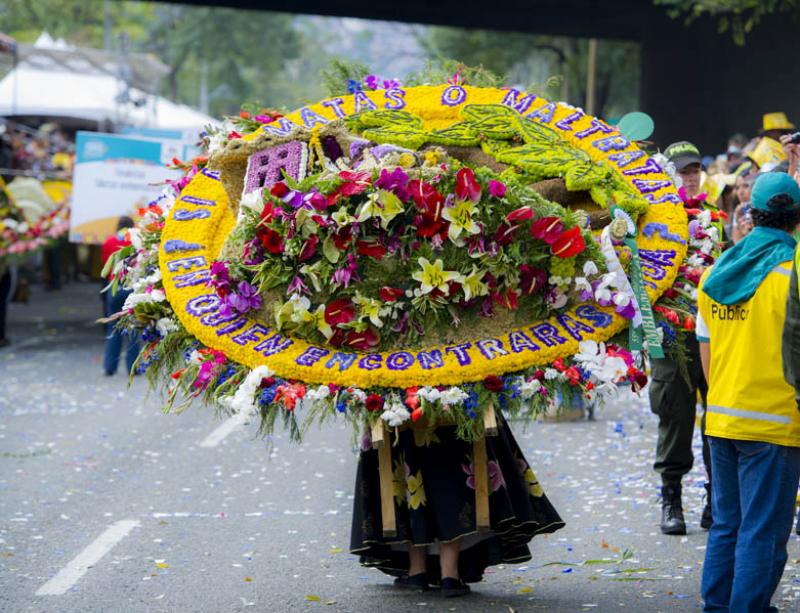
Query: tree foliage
[(737, 16)]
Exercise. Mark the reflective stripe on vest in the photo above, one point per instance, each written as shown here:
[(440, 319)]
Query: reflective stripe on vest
[(781, 419), (786, 272)]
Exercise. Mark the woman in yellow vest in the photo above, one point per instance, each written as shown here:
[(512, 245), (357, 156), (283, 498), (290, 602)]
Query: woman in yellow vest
[(752, 421)]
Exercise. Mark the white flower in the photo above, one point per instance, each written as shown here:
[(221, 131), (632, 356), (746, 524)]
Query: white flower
[(527, 389), (165, 325), (395, 412), (243, 400), (551, 374), (314, 394), (431, 394), (135, 236), (453, 396), (359, 395), (252, 201), (589, 268)]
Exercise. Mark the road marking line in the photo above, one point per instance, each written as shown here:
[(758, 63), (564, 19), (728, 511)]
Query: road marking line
[(69, 575), (224, 429)]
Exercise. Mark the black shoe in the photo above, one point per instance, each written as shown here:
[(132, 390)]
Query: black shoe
[(418, 582), (453, 588), (707, 520), (672, 521)]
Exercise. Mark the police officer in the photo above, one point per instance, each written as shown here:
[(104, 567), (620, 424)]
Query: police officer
[(673, 394), (752, 421)]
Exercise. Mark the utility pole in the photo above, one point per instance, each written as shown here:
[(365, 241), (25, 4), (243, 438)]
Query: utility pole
[(591, 77), (108, 25)]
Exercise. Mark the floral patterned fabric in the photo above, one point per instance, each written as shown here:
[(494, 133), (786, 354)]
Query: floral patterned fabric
[(434, 497)]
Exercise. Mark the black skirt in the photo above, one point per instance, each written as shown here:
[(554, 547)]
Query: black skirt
[(434, 500)]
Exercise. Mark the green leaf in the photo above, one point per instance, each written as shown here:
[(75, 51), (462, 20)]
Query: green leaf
[(374, 119), (533, 131), (539, 158), (330, 250), (584, 175), (397, 136), (460, 134), (492, 120)]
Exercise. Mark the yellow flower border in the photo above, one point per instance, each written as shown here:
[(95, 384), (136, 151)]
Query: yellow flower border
[(201, 220)]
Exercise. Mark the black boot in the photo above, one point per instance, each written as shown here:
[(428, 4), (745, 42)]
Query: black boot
[(707, 519), (672, 521)]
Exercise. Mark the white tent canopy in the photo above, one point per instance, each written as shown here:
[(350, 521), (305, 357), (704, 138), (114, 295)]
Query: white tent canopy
[(33, 89)]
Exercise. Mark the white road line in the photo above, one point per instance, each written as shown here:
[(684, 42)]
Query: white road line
[(69, 575), (224, 429)]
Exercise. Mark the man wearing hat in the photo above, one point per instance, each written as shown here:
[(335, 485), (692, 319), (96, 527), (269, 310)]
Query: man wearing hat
[(752, 420), (775, 125), (673, 397)]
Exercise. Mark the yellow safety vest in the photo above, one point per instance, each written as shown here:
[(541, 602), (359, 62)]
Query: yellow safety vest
[(748, 397)]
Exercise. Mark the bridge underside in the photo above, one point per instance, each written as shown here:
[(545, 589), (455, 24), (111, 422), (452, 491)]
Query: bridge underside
[(695, 83)]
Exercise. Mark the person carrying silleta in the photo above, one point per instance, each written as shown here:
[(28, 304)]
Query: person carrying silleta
[(752, 421), (673, 396)]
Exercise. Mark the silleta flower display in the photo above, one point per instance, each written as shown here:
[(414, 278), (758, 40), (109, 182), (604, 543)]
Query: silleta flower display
[(406, 254)]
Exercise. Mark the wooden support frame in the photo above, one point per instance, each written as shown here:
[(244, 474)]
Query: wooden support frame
[(381, 442)]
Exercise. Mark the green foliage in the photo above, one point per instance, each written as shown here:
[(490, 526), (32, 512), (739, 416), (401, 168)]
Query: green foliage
[(338, 72), (440, 70), (529, 61), (737, 16)]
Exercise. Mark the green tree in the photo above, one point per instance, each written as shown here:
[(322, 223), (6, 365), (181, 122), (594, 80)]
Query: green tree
[(528, 60), (738, 16)]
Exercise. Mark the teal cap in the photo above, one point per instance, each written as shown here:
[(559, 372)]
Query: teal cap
[(771, 184)]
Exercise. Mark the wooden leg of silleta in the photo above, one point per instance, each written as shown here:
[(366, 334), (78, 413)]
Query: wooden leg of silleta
[(381, 442), (481, 464)]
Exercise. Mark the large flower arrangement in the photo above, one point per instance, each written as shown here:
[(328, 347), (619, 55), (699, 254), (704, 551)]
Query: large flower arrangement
[(405, 262), (21, 236)]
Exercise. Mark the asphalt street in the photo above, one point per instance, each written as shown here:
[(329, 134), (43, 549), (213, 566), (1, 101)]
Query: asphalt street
[(108, 505)]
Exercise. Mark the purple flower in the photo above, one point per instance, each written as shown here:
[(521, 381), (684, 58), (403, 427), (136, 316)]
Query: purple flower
[(345, 275), (263, 119), (297, 286), (372, 81), (391, 84), (246, 298), (220, 277), (313, 200), (694, 228), (496, 188), (357, 146), (395, 182), (253, 253)]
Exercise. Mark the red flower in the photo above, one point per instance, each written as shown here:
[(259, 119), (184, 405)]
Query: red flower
[(493, 383), (637, 378), (372, 248), (531, 279), (547, 229), (467, 188), (520, 214), (362, 341), (428, 226), (342, 238), (244, 114), (504, 235), (416, 414), (374, 402), (412, 400), (267, 382), (688, 323), (509, 299), (340, 311), (569, 244), (279, 190), (354, 183), (268, 212), (426, 197), (309, 248), (391, 294), (270, 240)]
